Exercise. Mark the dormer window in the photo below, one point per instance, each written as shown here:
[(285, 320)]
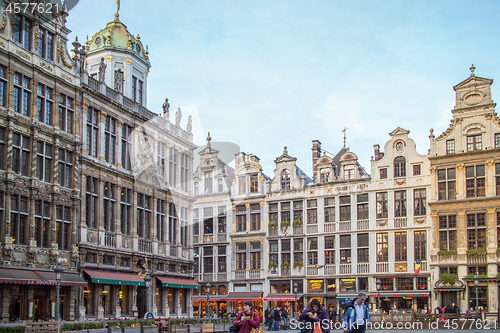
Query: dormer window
[(349, 172), (324, 175), (474, 142), (285, 179), (400, 167), (196, 188), (242, 185), (208, 181), (254, 183), (220, 185)]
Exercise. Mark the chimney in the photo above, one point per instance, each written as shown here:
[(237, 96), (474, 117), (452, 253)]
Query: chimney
[(316, 154), (377, 152)]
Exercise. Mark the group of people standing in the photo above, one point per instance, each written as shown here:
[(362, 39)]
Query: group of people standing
[(276, 317)]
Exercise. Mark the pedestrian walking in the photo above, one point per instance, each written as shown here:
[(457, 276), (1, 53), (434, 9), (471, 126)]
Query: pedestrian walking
[(315, 314), (284, 315), (277, 318), (247, 319), (356, 315)]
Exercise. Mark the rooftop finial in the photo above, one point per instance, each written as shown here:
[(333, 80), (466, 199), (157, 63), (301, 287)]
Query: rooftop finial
[(117, 9), (344, 131), (472, 69), (208, 140), (285, 152)]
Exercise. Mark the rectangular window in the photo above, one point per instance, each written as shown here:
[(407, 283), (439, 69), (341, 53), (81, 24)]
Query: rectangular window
[(255, 255), (241, 257), (144, 212), (63, 227), (474, 142), (422, 283), (109, 202), (92, 201), (3, 85), (417, 170), (2, 148), (22, 31), (22, 94), (140, 90), (242, 185), (497, 173), (404, 283), (345, 249), (44, 104), (172, 223), (42, 223), (44, 161), (65, 168), (420, 242), (134, 88), (221, 219), (345, 208), (330, 250), (400, 246), (497, 140), (312, 243), (255, 217), (161, 220), (450, 146), (172, 167), (20, 154), (381, 204), (475, 181), (222, 268), (208, 260), (18, 219), (298, 254), (254, 183), (329, 214), (382, 247), (399, 203), (184, 172), (446, 184), (363, 248), (383, 173), (241, 218), (92, 131), (207, 178), (312, 216), (419, 202), (476, 231), (109, 139), (45, 44), (126, 146), (400, 167), (220, 185), (126, 210), (363, 213), (447, 232), (66, 113)]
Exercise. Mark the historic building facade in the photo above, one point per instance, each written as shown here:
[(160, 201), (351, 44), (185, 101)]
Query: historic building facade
[(465, 180), (136, 190), (39, 163)]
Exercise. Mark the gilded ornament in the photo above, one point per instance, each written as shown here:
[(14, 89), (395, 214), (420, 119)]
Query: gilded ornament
[(3, 23)]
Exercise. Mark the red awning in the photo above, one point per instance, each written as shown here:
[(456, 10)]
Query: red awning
[(237, 296), (178, 283), (125, 279), (282, 297), (214, 298), (39, 277)]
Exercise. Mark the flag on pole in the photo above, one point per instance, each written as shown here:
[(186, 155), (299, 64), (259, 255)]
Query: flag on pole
[(418, 263)]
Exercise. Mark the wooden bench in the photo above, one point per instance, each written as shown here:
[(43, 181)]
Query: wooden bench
[(42, 326)]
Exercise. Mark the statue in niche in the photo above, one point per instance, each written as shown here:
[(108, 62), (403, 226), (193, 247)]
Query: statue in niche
[(119, 80), (102, 70), (166, 109), (178, 116), (189, 125)]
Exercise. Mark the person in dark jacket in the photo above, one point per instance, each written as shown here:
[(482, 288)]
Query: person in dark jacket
[(271, 319), (315, 314), (247, 319), (277, 318), (284, 315), (454, 308), (356, 315), (266, 317)]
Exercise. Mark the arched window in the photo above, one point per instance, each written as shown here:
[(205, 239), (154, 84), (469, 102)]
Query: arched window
[(222, 290), (285, 179), (400, 167)]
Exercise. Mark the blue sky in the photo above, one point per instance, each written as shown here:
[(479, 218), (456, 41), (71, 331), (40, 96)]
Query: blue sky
[(268, 74)]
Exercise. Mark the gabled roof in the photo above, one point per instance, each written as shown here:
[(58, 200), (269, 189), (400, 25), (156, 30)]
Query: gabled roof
[(474, 80), (399, 131)]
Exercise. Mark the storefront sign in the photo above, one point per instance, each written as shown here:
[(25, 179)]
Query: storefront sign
[(320, 299), (273, 272), (347, 284), (315, 285)]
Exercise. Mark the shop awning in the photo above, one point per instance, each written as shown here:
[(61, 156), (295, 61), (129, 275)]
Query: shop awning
[(346, 297), (282, 297), (403, 294), (125, 279), (449, 289), (213, 298), (178, 283), (38, 277), (236, 296)]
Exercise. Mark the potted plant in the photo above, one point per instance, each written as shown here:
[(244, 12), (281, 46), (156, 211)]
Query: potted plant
[(285, 264), (446, 253), (297, 223), (273, 265), (284, 226), (448, 279), (474, 252), (298, 264), (273, 225)]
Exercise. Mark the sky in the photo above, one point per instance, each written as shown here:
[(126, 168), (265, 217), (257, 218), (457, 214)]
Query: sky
[(269, 74)]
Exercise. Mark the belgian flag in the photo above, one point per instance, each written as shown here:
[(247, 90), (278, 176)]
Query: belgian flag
[(418, 263)]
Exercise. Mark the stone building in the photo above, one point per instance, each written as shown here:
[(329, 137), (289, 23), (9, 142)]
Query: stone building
[(465, 180), (136, 188), (39, 163)]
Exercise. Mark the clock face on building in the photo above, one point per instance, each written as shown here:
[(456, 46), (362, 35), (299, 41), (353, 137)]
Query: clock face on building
[(98, 41), (137, 47), (399, 146)]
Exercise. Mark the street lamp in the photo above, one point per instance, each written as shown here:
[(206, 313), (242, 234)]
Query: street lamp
[(295, 289), (476, 283), (58, 270), (378, 283), (208, 285), (147, 280)]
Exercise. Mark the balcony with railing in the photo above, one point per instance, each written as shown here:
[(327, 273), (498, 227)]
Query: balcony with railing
[(345, 269), (477, 258), (113, 94), (195, 239), (298, 230), (145, 246), (312, 270), (329, 227), (221, 277), (382, 267), (240, 275), (312, 228), (400, 222), (222, 238), (254, 274), (363, 268), (109, 239), (345, 226), (330, 269), (173, 250), (423, 266), (93, 83), (363, 224), (208, 277), (273, 231)]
